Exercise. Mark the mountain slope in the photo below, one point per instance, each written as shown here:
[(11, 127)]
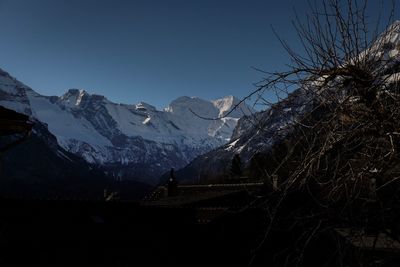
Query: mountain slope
[(266, 130), (39, 167)]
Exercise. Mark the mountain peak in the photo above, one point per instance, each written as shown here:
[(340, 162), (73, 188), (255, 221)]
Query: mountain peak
[(390, 36), (73, 97), (74, 91), (4, 73), (230, 97), (186, 98), (10, 84), (145, 106), (231, 103), (395, 23), (186, 104), (385, 49)]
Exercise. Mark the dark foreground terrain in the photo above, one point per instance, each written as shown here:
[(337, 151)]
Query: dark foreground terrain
[(73, 233), (76, 233)]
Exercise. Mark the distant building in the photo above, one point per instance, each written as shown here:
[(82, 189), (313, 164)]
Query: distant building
[(208, 201)]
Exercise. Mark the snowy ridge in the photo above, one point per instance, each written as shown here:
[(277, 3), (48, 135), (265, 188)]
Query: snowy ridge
[(135, 136)]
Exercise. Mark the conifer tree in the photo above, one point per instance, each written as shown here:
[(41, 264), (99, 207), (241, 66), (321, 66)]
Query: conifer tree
[(236, 166)]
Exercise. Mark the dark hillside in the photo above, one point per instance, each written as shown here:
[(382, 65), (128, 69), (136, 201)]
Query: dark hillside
[(40, 168)]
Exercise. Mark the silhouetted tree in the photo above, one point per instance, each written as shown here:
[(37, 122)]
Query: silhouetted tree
[(342, 144)]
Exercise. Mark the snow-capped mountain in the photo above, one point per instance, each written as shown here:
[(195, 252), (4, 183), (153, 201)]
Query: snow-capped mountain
[(259, 132), (128, 141)]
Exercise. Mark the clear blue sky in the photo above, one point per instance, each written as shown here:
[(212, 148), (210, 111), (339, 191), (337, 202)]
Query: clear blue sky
[(144, 50)]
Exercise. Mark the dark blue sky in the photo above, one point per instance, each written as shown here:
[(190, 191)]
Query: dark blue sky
[(144, 50)]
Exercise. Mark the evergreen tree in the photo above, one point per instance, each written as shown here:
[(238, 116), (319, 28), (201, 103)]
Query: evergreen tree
[(236, 166)]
